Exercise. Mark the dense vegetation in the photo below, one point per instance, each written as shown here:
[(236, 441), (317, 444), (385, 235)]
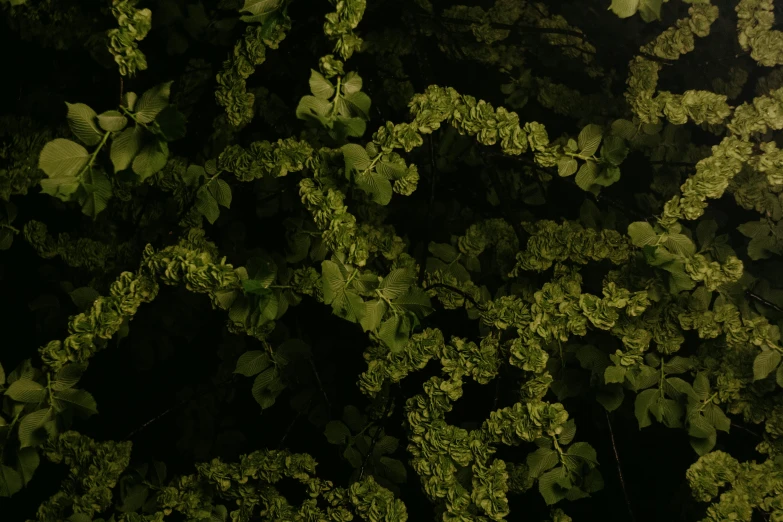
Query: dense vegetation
[(502, 261)]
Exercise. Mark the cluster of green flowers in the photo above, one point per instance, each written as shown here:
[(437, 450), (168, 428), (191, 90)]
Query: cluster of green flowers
[(248, 53), (340, 24), (752, 487), (20, 143), (134, 26), (81, 252), (698, 106), (550, 243), (755, 19), (95, 468)]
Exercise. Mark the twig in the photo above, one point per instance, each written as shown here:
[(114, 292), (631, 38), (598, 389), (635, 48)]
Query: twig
[(375, 437), (763, 301), (743, 428), (619, 469), (291, 425), (320, 385), (176, 406), (457, 291)]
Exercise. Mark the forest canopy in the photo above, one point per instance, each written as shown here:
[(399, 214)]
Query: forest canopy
[(298, 260)]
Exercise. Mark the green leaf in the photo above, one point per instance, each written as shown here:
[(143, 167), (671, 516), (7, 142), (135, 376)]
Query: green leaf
[(549, 485), (376, 185), (394, 470), (83, 297), (359, 104), (677, 365), (754, 229), (2, 375), (80, 400), (354, 418), (701, 386), (443, 251), (65, 189), (336, 432), (386, 445), (610, 396), (589, 139), (67, 376), (614, 374), (29, 426), (320, 86), (353, 456), (568, 433), (262, 270), (680, 244), (6, 238), (586, 175), (27, 461), (778, 375), (584, 451), (650, 10), (642, 234), (356, 158), (151, 159), (373, 314), (152, 102), (312, 108), (608, 176), (129, 100), (668, 411), (352, 83), (566, 166), (676, 388), (10, 481), (395, 332), (717, 418), (81, 120), (644, 400), (614, 150), (397, 283), (349, 306), (541, 460), (263, 381), (344, 127), (261, 7), (765, 363), (112, 121), (62, 158), (221, 191), (702, 446), (133, 498), (332, 281), (624, 129), (207, 205), (25, 390), (624, 8), (252, 362), (125, 147), (97, 188), (172, 123)]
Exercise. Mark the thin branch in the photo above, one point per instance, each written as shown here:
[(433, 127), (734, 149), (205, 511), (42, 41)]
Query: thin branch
[(763, 301), (673, 163), (619, 469), (176, 406), (291, 425), (743, 428), (378, 429), (457, 291), (320, 385)]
